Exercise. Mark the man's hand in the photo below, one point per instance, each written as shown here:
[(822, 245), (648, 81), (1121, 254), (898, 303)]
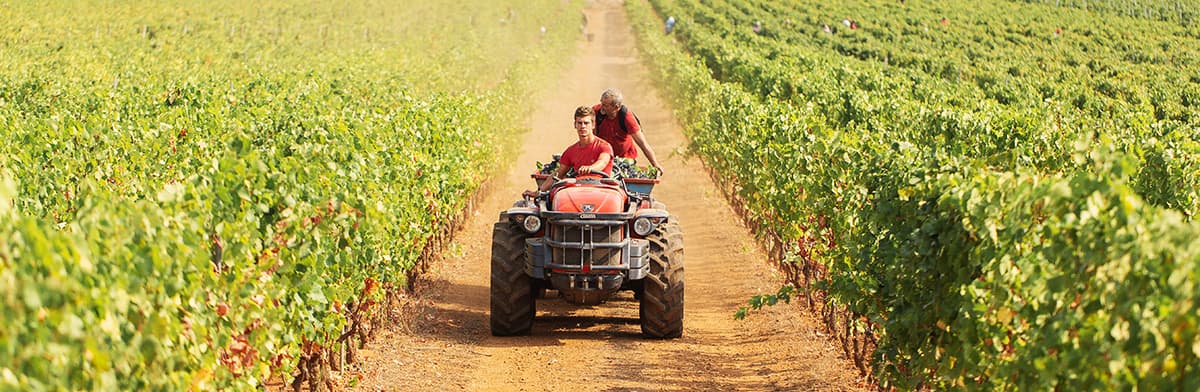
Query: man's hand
[(530, 194), (661, 172)]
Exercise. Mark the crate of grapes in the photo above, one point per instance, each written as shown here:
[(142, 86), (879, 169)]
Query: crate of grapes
[(639, 185), (636, 179), (544, 171)]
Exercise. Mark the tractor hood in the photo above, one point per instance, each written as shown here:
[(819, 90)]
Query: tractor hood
[(588, 199)]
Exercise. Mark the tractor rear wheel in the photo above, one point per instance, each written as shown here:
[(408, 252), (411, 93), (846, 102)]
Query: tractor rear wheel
[(661, 307), (513, 303)]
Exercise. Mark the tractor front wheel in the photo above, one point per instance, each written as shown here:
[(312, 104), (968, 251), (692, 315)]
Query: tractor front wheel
[(661, 307), (513, 302)]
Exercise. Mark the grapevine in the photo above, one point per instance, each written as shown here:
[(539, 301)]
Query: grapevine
[(210, 197), (960, 194)]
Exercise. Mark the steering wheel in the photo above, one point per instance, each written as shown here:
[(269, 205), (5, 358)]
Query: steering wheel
[(595, 172)]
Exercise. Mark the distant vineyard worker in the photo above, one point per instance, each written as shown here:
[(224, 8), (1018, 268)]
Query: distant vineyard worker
[(589, 153), (617, 125), (583, 27), (670, 24)]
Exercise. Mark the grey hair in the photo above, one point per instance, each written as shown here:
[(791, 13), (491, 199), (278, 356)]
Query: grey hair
[(614, 95)]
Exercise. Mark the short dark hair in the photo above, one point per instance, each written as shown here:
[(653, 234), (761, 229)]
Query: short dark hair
[(584, 111)]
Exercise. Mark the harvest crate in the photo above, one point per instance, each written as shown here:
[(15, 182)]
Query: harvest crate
[(639, 185)]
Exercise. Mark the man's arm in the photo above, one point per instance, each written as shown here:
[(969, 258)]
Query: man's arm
[(562, 171), (599, 164), (641, 142)]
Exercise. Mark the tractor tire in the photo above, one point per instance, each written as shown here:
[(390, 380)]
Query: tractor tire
[(661, 309), (513, 303)]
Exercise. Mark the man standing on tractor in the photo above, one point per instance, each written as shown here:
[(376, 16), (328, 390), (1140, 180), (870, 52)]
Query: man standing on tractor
[(589, 154), (621, 128)]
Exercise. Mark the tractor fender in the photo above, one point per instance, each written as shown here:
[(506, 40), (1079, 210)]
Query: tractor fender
[(514, 211), (652, 213)]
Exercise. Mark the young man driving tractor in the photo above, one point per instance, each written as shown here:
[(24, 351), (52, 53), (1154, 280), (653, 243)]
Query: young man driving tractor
[(589, 154)]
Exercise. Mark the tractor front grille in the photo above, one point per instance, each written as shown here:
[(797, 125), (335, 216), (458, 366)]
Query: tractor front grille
[(587, 234)]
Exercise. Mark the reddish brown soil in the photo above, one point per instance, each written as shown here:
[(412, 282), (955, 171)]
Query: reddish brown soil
[(445, 343)]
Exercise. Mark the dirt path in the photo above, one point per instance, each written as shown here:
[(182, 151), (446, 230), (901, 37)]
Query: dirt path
[(449, 347)]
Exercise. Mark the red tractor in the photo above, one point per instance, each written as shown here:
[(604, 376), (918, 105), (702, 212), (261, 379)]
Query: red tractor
[(588, 237)]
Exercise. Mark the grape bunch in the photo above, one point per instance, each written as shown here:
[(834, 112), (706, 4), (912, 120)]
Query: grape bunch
[(622, 168), (548, 168), (627, 168), (552, 167)]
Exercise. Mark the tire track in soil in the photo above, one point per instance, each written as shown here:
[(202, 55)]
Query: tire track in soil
[(445, 343)]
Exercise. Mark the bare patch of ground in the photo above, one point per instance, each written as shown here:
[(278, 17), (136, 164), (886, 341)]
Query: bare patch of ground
[(445, 343)]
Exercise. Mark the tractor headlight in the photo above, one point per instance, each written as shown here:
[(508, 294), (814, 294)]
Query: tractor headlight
[(532, 223), (643, 226)]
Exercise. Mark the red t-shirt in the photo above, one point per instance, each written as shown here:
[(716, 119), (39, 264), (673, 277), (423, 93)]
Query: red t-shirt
[(577, 156), (610, 130)]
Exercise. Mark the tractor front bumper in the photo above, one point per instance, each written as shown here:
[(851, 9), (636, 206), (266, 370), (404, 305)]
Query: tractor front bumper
[(634, 263)]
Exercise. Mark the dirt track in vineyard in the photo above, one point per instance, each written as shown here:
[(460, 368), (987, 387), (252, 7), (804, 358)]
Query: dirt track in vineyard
[(446, 345)]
